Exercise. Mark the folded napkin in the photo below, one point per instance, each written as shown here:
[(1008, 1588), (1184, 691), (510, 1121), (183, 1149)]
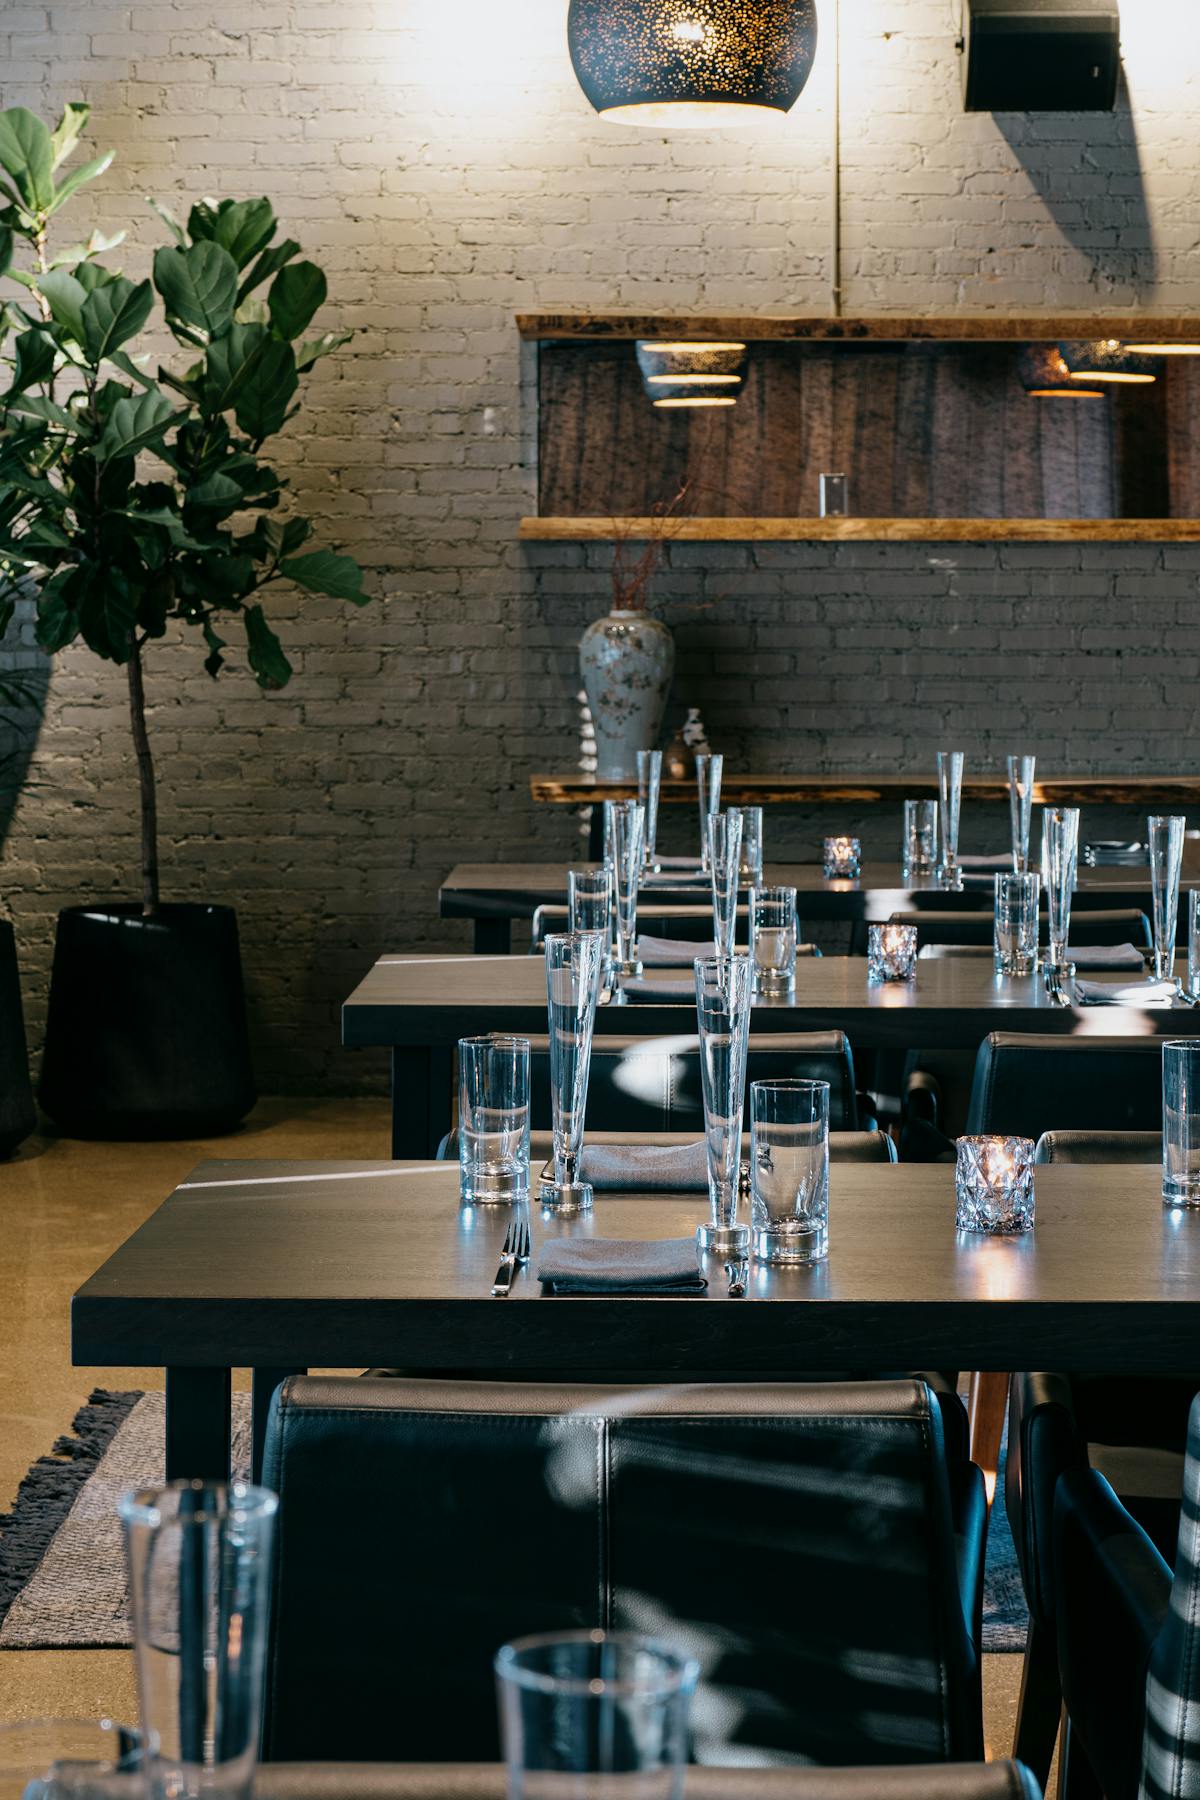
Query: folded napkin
[(1106, 956), (671, 953), (678, 862), (621, 1266), (691, 877), (1139, 993), (674, 987), (1001, 864), (645, 1168), (1109, 853)]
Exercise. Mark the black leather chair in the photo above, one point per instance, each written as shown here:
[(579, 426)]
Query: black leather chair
[(489, 1781), (1099, 1147), (1129, 1639), (819, 1548), (844, 1146), (1027, 1085), (1124, 926), (653, 1083)]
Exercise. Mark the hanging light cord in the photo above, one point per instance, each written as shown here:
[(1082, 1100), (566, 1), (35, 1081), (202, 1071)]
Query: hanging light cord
[(835, 260)]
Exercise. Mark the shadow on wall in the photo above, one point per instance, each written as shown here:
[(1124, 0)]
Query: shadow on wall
[(1087, 170), (24, 681)]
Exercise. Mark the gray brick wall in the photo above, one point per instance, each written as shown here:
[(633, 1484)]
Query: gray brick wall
[(437, 157)]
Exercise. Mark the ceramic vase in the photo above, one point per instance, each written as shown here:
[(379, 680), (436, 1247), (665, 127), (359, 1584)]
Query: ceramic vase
[(627, 660)]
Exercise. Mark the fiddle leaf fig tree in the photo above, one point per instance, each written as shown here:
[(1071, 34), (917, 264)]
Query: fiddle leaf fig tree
[(135, 499)]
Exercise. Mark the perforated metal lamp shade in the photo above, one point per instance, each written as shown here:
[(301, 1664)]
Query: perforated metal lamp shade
[(693, 63), (1044, 375), (1106, 359), (701, 374)]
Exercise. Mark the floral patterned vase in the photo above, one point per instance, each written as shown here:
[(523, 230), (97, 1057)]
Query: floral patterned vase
[(627, 660)]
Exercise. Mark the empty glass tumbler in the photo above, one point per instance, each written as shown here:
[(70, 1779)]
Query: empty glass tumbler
[(1181, 1122), (773, 934), (789, 1170), (493, 1120), (1020, 803), (573, 964), (723, 1001), (724, 857), (1060, 862), (594, 1715), (950, 777), (1015, 924), (590, 898), (920, 853), (751, 868), (649, 769), (1193, 974), (709, 770), (200, 1574), (1166, 864), (628, 825)]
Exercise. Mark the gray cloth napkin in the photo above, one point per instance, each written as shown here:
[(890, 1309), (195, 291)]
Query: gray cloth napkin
[(691, 877), (1106, 956), (621, 1266), (645, 1168), (675, 987), (672, 953), (1000, 864), (1136, 993)]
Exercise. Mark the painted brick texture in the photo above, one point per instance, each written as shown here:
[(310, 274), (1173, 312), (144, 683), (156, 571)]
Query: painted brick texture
[(438, 159)]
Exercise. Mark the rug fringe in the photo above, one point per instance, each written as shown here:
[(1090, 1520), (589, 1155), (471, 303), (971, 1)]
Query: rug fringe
[(50, 1489)]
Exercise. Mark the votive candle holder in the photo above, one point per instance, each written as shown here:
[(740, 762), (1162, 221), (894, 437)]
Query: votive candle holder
[(891, 953), (843, 858), (993, 1185)]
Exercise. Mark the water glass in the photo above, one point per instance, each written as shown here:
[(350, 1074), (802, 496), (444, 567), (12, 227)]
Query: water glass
[(709, 770), (723, 1000), (589, 898), (1166, 864), (1015, 924), (773, 934), (1181, 1122), (834, 496), (789, 1170), (751, 869), (993, 1185), (628, 825), (649, 773), (493, 1120), (1060, 862), (573, 966), (950, 776), (920, 837), (724, 857), (1193, 974), (842, 858), (1020, 803), (891, 953), (200, 1575), (590, 1715), (50, 1759)]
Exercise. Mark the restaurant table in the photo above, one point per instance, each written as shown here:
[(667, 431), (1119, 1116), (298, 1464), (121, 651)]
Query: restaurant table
[(284, 1266), (419, 1007), (493, 895)]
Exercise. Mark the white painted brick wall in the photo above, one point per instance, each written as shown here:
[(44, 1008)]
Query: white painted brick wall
[(437, 157)]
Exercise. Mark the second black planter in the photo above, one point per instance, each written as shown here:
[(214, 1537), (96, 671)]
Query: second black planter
[(18, 1115), (146, 1032)]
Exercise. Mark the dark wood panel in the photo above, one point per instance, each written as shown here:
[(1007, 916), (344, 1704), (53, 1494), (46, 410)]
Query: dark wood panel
[(879, 327)]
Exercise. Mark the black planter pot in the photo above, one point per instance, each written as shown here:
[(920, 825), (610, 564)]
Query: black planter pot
[(18, 1115), (146, 1032)]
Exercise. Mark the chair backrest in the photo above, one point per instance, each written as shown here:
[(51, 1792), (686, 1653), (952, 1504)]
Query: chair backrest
[(1171, 1744), (653, 1083), (798, 1538), (844, 1146), (1099, 1147), (1028, 1085), (1126, 925)]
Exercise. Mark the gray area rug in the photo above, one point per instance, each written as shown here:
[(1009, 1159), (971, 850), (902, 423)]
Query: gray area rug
[(62, 1562)]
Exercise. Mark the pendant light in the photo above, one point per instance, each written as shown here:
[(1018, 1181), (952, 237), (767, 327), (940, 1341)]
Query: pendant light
[(1106, 359), (692, 63), (1045, 376), (1165, 349), (691, 374)]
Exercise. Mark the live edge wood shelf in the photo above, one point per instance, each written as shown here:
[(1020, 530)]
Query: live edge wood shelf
[(926, 415)]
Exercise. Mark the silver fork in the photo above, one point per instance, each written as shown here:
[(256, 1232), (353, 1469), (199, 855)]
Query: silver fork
[(513, 1252)]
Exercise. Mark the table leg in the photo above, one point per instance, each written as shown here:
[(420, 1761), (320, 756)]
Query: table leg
[(986, 1410), (493, 937), (421, 1099), (263, 1383), (198, 1424)]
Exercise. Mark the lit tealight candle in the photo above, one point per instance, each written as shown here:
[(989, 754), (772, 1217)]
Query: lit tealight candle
[(843, 858), (891, 953), (993, 1185)]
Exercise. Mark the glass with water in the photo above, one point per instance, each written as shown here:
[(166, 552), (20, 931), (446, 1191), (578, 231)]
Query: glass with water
[(724, 858), (1166, 866), (1020, 803), (751, 870), (789, 1170), (1015, 924), (493, 1120), (649, 768), (1060, 862), (950, 778), (1181, 1122), (773, 934), (573, 964), (723, 1000), (709, 770), (920, 853)]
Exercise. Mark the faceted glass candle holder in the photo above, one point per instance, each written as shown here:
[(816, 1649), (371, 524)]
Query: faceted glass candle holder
[(891, 953), (843, 858), (993, 1185)]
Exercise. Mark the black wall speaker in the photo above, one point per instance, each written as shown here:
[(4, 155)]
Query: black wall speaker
[(1040, 55)]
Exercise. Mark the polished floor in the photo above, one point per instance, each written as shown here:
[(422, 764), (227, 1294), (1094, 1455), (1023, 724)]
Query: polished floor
[(64, 1207)]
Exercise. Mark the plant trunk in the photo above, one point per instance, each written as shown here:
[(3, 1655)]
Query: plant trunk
[(145, 762)]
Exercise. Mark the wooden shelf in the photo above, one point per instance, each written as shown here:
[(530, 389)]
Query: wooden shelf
[(903, 531), (864, 790), (880, 327)]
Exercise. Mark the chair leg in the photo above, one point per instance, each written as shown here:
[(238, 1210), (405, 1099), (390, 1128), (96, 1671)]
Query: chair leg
[(1076, 1777), (986, 1409), (1040, 1704)]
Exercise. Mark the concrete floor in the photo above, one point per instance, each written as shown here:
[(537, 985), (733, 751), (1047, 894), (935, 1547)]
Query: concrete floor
[(64, 1207)]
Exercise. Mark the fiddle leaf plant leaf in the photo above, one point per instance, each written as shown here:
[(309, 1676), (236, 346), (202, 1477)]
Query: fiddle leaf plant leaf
[(313, 349), (78, 178), (113, 312), (133, 425), (243, 227), (65, 297), (267, 265), (27, 157), (34, 360), (322, 572), (297, 292), (271, 667), (68, 131), (198, 285)]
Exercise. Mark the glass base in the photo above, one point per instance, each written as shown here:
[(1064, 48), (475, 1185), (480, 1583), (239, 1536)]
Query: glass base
[(950, 877), (494, 1187), (805, 1244), (1182, 1190), (772, 984), (1016, 965), (632, 967), (723, 1240), (571, 1197)]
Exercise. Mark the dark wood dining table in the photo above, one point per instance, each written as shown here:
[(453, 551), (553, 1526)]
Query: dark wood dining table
[(419, 1007), (280, 1267)]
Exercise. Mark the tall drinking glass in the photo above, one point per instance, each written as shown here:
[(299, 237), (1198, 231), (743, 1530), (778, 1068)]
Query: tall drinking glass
[(589, 898), (493, 1120), (751, 870), (920, 853), (1020, 805), (1166, 863), (709, 770), (52, 1759), (789, 1170), (1193, 974), (724, 858), (1060, 851), (649, 768), (628, 824), (1015, 924), (1181, 1122), (773, 938), (950, 775), (593, 1715), (572, 990), (723, 999), (200, 1574)]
